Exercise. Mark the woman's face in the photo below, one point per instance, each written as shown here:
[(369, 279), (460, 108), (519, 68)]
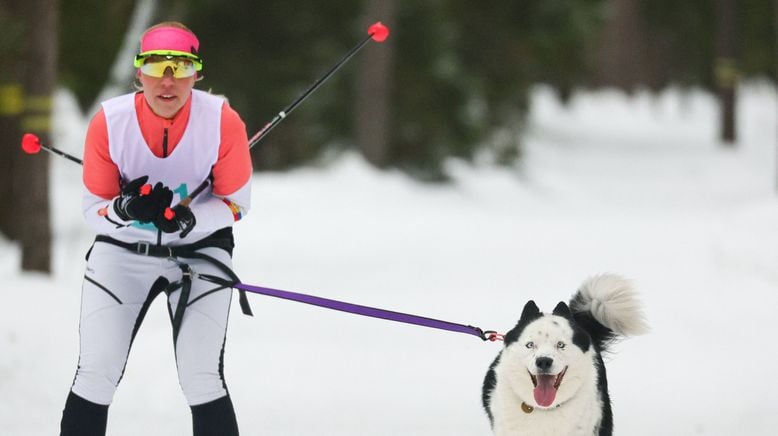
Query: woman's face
[(166, 95)]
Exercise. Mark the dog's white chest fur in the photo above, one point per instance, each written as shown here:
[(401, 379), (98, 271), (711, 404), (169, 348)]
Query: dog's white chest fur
[(579, 416)]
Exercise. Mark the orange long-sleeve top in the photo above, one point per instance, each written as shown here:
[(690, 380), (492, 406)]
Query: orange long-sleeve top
[(231, 171)]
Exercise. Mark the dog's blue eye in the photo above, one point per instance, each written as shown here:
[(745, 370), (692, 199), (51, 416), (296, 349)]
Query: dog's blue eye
[(560, 345), (530, 344)]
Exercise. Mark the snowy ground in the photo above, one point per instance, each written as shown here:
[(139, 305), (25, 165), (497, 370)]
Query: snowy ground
[(634, 185)]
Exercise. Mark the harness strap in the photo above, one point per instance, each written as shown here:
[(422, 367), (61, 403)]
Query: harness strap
[(244, 301), (219, 239), (183, 298)]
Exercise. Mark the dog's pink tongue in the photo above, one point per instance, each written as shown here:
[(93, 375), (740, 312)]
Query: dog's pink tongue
[(545, 392)]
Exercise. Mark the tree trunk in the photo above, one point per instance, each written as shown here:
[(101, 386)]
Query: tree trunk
[(621, 56), (726, 69), (374, 84), (31, 179), (11, 105), (775, 29)]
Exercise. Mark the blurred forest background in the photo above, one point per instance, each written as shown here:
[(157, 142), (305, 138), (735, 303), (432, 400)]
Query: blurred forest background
[(452, 80)]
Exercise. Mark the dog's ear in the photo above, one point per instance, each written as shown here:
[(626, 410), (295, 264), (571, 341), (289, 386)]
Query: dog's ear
[(562, 310), (530, 312), (580, 336)]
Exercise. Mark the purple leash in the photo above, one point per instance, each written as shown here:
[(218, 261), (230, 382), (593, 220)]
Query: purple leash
[(356, 309)]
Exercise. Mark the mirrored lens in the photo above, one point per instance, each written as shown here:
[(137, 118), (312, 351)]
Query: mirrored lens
[(155, 66)]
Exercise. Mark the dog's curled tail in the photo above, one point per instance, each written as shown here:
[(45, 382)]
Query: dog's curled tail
[(612, 301)]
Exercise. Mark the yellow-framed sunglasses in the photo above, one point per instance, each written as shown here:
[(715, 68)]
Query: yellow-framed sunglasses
[(155, 63)]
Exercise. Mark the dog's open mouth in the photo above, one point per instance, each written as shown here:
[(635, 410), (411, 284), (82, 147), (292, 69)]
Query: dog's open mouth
[(546, 386)]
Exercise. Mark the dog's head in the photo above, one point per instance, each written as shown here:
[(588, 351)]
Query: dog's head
[(547, 358)]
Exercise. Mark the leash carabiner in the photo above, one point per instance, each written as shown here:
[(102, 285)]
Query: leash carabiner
[(492, 336)]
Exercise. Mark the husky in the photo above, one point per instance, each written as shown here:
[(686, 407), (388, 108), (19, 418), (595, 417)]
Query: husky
[(549, 379)]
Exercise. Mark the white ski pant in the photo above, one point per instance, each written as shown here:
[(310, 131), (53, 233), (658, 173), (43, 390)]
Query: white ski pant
[(118, 288)]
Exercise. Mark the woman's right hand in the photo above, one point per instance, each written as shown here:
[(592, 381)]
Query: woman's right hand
[(139, 201)]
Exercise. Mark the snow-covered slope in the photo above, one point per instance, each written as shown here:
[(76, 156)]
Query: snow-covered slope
[(635, 185)]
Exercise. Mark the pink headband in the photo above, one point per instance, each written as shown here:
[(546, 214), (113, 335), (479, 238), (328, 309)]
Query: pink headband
[(169, 38)]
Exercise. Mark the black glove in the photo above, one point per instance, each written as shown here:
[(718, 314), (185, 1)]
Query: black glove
[(138, 201), (179, 218)]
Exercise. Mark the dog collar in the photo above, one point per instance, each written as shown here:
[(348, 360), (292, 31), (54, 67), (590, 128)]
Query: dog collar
[(526, 408)]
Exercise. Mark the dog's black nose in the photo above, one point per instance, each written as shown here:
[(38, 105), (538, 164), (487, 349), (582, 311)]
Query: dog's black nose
[(544, 363)]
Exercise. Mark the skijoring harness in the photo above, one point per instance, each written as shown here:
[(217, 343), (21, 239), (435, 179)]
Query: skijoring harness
[(220, 239), (223, 239)]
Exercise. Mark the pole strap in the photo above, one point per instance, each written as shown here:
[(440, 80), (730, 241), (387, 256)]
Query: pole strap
[(373, 312)]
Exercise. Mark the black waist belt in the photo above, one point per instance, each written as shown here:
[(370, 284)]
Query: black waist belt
[(219, 239)]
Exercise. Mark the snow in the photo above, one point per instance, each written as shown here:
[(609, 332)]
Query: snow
[(637, 185)]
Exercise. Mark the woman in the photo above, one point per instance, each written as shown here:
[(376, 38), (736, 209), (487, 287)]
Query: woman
[(144, 152)]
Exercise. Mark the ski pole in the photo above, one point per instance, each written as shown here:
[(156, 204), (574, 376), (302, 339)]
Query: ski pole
[(377, 32), (31, 144)]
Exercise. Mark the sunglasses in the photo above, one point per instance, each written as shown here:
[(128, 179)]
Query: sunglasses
[(181, 68), (155, 65)]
